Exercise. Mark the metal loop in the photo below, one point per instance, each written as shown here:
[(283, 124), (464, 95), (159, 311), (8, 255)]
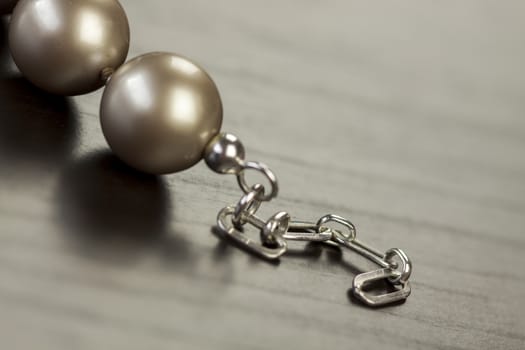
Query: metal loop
[(350, 241), (340, 220), (241, 179), (402, 274), (257, 248), (361, 280), (275, 228), (247, 205)]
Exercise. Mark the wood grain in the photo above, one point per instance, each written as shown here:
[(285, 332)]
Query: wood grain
[(405, 116)]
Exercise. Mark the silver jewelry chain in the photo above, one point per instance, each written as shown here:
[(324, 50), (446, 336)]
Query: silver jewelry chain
[(276, 231)]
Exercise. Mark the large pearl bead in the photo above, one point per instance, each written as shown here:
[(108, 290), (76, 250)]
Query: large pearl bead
[(159, 111), (62, 46), (6, 6)]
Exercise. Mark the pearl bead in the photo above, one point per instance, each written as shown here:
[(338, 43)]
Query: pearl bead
[(224, 154), (6, 6), (62, 46), (159, 111)]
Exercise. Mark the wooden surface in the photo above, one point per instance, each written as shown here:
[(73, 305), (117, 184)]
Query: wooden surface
[(405, 116)]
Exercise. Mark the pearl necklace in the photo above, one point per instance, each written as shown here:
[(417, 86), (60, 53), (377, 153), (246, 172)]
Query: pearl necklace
[(162, 113)]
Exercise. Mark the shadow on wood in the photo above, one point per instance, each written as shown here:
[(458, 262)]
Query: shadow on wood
[(111, 211), (36, 128)]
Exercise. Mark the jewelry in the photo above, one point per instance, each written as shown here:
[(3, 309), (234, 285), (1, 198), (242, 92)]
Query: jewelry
[(162, 113)]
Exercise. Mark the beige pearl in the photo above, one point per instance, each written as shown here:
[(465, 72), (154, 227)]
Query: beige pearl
[(159, 111), (62, 46), (6, 6)]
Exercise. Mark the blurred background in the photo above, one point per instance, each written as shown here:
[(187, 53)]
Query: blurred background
[(406, 117)]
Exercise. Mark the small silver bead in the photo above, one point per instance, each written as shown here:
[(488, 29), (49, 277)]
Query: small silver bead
[(275, 228), (224, 154)]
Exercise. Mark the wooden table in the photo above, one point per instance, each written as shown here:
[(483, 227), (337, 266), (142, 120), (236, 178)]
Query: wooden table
[(406, 117)]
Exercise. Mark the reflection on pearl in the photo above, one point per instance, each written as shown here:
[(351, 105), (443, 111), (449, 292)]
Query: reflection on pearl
[(91, 28), (183, 106), (138, 92), (184, 65), (47, 19)]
